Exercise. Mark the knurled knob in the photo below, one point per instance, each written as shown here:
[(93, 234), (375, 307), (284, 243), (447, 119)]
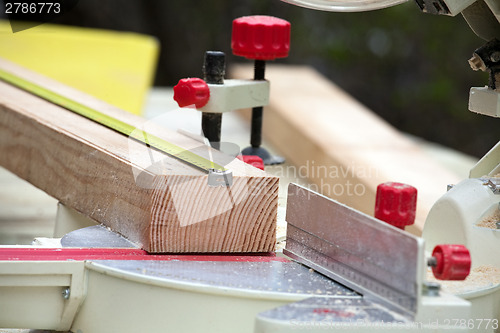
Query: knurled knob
[(451, 262), (396, 204), (191, 91), (260, 37)]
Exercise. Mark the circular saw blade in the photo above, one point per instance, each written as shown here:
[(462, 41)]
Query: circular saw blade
[(345, 5)]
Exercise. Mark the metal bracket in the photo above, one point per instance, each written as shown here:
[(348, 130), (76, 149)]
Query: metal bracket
[(24, 285), (68, 219)]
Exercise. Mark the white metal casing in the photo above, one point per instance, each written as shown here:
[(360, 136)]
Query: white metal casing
[(489, 164), (453, 219), (485, 101)]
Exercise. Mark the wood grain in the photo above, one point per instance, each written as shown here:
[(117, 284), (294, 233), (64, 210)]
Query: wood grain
[(341, 146), (157, 201)]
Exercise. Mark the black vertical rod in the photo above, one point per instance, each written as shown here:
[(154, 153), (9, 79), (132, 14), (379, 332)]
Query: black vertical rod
[(257, 115), (214, 69)]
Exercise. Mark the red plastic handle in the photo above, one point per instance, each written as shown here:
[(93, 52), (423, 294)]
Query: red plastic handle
[(452, 262), (191, 91), (260, 37), (396, 204)]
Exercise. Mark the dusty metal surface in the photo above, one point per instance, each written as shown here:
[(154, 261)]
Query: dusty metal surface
[(95, 236), (267, 277), (330, 313), (359, 251), (272, 276)]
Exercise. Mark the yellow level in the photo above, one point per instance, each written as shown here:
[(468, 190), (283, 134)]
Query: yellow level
[(110, 122)]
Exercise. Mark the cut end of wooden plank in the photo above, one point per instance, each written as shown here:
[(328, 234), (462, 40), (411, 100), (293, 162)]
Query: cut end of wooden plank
[(189, 216), (185, 215)]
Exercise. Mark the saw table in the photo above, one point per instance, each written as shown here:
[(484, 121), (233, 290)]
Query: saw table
[(80, 286)]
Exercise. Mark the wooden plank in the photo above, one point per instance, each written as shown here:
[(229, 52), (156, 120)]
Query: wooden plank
[(149, 197), (340, 145)]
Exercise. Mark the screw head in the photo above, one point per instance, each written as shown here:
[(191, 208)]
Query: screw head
[(396, 204), (191, 91), (260, 37), (431, 288), (452, 262), (495, 56), (66, 293)]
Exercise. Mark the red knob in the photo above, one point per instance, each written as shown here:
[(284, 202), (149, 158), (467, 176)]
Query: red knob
[(452, 262), (192, 91), (260, 37), (396, 204), (253, 160)]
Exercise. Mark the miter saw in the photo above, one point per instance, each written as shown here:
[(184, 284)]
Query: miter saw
[(353, 272), (348, 271)]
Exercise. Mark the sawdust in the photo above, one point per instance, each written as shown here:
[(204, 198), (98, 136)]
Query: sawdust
[(280, 246), (490, 221), (481, 277), (280, 232)]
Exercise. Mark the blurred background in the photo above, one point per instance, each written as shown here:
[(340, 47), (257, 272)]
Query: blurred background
[(410, 68)]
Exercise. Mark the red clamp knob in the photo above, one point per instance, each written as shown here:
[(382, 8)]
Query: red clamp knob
[(451, 262), (396, 204), (260, 37), (192, 91), (253, 160)]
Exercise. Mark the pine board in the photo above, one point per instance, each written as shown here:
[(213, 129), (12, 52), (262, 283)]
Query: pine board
[(155, 200)]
